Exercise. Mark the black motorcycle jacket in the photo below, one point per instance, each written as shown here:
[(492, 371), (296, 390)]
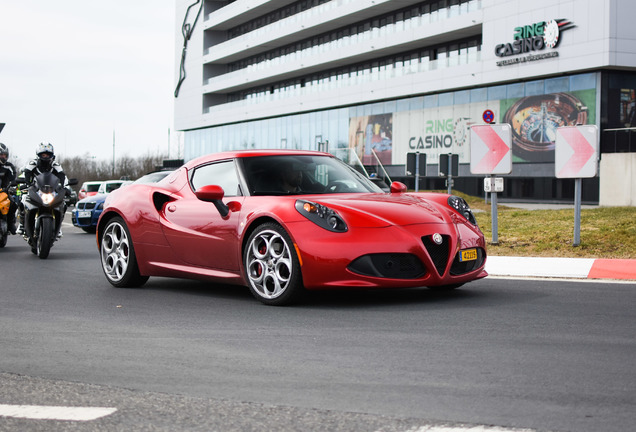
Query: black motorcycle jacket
[(7, 175), (31, 171)]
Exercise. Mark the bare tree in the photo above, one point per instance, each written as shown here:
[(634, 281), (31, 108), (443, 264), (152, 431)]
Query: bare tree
[(86, 168)]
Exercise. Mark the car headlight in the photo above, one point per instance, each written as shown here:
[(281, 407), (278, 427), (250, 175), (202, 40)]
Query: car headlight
[(322, 216), (462, 207), (100, 206)]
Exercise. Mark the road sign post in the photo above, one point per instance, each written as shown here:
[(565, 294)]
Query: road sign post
[(449, 167), (416, 166), (576, 156), (490, 154)]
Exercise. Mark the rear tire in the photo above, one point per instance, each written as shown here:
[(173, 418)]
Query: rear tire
[(119, 261), (272, 267)]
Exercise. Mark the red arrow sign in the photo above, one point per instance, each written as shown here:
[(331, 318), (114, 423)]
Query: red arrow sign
[(583, 151), (497, 149)]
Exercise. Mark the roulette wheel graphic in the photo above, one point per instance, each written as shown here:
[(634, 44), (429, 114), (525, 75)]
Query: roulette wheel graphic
[(535, 119), (551, 36)]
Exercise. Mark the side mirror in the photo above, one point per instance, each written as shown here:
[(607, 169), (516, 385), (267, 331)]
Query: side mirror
[(398, 187), (72, 181), (213, 194)]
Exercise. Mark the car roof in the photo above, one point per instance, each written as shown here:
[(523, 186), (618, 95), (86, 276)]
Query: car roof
[(251, 153)]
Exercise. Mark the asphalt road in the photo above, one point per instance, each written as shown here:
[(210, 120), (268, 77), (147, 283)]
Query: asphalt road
[(182, 355)]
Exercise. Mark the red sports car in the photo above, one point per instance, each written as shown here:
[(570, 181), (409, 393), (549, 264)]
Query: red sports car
[(282, 222)]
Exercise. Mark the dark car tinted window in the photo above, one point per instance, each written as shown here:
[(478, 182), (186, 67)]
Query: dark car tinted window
[(319, 174), (222, 174)]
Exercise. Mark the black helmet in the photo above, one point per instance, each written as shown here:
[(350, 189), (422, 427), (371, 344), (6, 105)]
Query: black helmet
[(4, 154), (46, 156)]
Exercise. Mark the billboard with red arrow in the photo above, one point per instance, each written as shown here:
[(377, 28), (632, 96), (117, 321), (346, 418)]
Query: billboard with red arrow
[(576, 151), (490, 149)]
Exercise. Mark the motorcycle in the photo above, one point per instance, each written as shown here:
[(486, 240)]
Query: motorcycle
[(5, 203), (44, 209)]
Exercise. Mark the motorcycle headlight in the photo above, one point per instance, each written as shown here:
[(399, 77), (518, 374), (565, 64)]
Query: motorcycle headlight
[(322, 216), (462, 207), (47, 198)]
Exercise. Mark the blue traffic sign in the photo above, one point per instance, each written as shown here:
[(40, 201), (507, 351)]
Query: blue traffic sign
[(488, 116)]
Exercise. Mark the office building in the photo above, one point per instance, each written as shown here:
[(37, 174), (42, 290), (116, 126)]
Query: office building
[(372, 80)]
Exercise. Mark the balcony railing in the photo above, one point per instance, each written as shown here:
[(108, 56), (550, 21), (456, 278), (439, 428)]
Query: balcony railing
[(309, 16), (348, 80)]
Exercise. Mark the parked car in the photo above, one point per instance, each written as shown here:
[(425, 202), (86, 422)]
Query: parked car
[(88, 188), (110, 185), (281, 222), (87, 211), (153, 177)]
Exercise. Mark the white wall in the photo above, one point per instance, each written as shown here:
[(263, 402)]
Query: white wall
[(617, 179)]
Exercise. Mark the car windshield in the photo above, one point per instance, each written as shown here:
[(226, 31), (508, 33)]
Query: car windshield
[(295, 174), (92, 187), (112, 186)]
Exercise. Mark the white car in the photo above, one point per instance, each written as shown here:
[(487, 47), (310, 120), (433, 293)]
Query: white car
[(110, 185)]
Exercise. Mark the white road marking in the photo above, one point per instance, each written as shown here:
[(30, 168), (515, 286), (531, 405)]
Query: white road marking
[(35, 412), (433, 428)]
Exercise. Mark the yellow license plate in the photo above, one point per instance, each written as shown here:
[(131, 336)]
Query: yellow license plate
[(468, 255)]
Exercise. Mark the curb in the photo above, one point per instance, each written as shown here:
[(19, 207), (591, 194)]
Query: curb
[(578, 268)]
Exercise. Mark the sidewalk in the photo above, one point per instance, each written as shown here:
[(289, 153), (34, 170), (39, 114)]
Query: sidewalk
[(578, 268)]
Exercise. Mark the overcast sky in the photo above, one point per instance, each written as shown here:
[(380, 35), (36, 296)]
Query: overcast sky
[(74, 71)]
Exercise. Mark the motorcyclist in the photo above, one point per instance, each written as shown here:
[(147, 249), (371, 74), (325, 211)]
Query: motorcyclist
[(7, 176), (44, 162)]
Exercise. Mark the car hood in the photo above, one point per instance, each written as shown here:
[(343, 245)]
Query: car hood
[(374, 210), (94, 198)]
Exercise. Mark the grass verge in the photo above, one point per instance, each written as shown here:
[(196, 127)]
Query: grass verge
[(606, 232)]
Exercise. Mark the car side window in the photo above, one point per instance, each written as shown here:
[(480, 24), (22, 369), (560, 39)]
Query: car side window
[(222, 174)]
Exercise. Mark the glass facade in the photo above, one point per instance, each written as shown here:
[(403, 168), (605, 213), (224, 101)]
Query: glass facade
[(435, 124), (430, 124)]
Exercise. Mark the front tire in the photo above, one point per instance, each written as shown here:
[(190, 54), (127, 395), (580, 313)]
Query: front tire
[(272, 266), (119, 261), (45, 237)]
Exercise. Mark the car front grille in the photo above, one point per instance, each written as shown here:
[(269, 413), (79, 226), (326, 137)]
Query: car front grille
[(437, 252), (85, 206)]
